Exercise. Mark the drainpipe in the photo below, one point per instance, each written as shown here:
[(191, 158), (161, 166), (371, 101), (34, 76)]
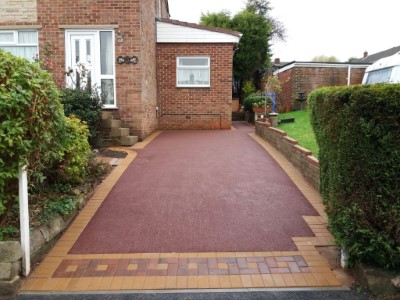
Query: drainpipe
[(348, 74)]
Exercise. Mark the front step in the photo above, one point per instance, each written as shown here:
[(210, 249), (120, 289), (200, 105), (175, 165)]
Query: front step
[(119, 132), (129, 140), (113, 133), (110, 123)]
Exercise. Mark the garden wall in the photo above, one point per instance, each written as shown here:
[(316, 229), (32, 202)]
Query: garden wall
[(41, 240), (300, 157)]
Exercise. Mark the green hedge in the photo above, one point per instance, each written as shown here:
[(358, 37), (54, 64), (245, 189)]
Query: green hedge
[(358, 133)]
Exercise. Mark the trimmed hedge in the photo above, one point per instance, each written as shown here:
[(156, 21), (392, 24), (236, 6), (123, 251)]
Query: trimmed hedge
[(358, 133)]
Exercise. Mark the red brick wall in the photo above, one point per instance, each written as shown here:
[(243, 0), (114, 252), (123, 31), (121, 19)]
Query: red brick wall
[(308, 79), (136, 84), (195, 108), (284, 99), (147, 112)]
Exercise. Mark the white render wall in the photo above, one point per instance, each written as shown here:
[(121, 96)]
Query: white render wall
[(171, 33)]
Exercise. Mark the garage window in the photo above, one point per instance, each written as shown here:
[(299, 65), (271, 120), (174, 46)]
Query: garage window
[(193, 71)]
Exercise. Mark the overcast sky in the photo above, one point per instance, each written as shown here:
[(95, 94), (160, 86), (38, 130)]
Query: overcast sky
[(340, 28)]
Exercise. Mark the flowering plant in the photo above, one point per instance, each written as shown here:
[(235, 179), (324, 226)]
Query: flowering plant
[(78, 76), (45, 62)]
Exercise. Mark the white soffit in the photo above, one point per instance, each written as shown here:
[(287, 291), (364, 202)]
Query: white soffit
[(171, 33)]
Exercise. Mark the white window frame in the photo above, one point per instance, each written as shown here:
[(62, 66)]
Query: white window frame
[(97, 69), (15, 42), (208, 67)]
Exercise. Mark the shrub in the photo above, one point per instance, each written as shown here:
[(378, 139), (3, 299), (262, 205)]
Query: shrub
[(72, 167), (255, 101), (248, 89), (86, 105), (31, 118), (358, 133)]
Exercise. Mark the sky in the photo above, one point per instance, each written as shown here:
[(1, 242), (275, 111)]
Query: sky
[(340, 28)]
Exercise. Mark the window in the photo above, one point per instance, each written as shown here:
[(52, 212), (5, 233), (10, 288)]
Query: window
[(193, 71), (382, 75), (23, 43), (95, 50)]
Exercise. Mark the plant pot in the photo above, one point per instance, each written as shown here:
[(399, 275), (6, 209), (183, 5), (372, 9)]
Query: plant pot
[(259, 110)]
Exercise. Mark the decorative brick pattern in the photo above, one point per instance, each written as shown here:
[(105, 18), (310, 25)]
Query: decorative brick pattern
[(192, 266)]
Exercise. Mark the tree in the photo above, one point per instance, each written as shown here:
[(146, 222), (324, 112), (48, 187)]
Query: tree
[(258, 29), (324, 58), (253, 48), (262, 7), (221, 19), (352, 59)]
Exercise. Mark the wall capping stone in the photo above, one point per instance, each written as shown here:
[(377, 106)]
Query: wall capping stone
[(16, 27), (300, 157), (110, 26)]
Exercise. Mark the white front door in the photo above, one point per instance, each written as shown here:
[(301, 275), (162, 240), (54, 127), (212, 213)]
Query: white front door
[(82, 60), (91, 54)]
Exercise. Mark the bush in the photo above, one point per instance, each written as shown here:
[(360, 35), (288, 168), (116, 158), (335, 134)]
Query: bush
[(255, 101), (86, 105), (358, 133), (72, 167), (248, 89), (31, 118)]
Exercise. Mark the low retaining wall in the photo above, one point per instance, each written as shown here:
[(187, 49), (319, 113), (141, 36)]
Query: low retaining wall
[(300, 157), (10, 268), (41, 240)]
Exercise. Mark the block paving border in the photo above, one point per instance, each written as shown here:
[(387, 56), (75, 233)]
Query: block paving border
[(61, 271)]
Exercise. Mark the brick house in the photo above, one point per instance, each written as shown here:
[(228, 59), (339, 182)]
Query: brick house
[(153, 72), (298, 79)]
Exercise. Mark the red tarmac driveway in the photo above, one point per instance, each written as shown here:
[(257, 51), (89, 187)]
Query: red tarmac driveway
[(199, 191)]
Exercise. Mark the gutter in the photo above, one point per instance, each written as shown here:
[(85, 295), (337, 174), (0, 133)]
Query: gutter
[(319, 65)]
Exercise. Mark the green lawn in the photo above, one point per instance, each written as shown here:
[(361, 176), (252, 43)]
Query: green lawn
[(300, 130)]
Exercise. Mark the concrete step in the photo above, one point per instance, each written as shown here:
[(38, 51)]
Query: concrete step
[(106, 115), (111, 123), (129, 140), (109, 142), (117, 132)]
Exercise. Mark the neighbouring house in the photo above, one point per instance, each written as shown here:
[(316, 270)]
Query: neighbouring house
[(299, 79), (370, 59), (153, 72)]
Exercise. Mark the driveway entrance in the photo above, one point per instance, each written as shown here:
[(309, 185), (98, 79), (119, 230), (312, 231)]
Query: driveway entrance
[(194, 209)]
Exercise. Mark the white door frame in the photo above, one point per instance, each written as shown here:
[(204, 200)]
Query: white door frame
[(96, 75)]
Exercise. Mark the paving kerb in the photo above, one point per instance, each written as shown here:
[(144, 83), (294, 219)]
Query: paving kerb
[(318, 272)]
